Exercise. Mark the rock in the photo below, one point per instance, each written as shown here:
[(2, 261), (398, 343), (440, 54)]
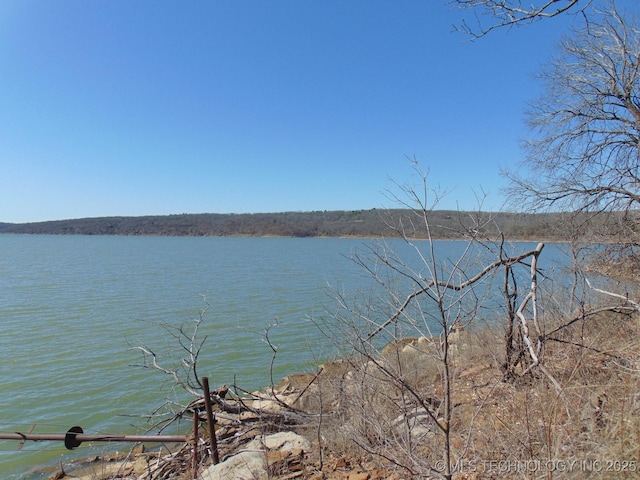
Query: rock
[(417, 423), (285, 462), (335, 369), (261, 457), (226, 419), (247, 415), (246, 465), (392, 348), (294, 382), (271, 406), (283, 441)]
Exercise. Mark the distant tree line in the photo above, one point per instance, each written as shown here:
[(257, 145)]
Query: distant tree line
[(445, 224)]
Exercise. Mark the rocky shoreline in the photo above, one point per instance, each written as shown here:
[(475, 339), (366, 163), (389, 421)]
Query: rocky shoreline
[(349, 420), (269, 434), (276, 433)]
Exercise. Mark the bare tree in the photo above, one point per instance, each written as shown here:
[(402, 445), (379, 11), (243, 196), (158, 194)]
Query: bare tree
[(407, 336), (585, 152), (494, 14)]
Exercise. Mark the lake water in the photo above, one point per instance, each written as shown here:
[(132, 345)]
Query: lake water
[(72, 309)]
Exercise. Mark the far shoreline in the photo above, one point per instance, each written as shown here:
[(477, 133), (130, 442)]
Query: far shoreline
[(373, 223)]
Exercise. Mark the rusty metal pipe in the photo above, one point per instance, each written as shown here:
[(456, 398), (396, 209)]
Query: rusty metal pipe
[(78, 438), (210, 420)]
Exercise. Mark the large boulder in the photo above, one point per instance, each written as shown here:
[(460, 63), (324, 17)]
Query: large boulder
[(260, 457), (245, 465)]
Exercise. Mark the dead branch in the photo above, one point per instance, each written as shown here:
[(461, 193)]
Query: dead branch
[(626, 298), (455, 287), (150, 360), (510, 13), (584, 315)]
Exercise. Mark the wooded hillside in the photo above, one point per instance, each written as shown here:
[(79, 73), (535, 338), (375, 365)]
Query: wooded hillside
[(367, 223)]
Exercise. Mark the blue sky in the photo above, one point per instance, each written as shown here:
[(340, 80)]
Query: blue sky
[(157, 107)]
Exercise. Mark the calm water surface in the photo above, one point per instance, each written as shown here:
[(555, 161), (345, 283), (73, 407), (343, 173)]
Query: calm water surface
[(73, 307)]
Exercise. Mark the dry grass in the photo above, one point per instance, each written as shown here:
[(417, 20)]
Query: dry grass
[(521, 429)]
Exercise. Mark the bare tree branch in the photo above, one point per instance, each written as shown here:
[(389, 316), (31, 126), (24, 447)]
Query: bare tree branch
[(585, 150), (626, 298), (424, 289), (508, 13)]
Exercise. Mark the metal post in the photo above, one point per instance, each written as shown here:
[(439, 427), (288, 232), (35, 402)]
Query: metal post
[(195, 445), (210, 420)]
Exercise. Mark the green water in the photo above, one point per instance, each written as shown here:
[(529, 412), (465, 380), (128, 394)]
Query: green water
[(73, 309)]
